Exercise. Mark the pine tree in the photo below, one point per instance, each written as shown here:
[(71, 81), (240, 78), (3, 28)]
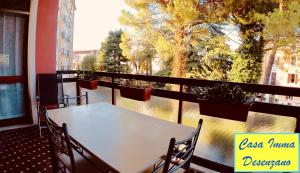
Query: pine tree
[(248, 16), (281, 30), (111, 56), (172, 24)]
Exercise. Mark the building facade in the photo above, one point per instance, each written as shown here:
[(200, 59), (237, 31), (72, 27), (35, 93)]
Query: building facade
[(79, 55), (65, 30), (286, 71)]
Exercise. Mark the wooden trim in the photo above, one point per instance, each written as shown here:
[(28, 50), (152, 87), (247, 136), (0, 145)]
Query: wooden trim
[(16, 5), (11, 79), (15, 11), (27, 100), (14, 121)]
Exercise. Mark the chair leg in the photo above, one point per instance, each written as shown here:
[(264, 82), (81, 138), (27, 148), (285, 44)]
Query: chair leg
[(39, 122), (54, 161)]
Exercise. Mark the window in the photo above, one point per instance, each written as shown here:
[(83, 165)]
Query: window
[(292, 78), (293, 61), (13, 59)]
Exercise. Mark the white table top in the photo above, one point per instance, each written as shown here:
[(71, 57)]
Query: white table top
[(127, 141)]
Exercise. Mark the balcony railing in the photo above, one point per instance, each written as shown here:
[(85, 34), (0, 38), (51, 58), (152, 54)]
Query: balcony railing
[(181, 96)]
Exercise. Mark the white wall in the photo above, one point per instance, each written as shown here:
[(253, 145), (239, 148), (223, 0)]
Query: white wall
[(31, 58)]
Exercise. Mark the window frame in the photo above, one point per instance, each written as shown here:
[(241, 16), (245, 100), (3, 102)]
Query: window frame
[(23, 79)]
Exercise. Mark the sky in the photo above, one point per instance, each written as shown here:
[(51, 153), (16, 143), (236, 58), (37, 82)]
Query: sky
[(93, 20)]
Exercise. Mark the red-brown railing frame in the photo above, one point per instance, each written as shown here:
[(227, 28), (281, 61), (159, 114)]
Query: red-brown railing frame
[(270, 108)]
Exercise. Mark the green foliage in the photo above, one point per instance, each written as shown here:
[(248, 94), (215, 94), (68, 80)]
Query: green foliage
[(136, 83), (168, 27), (163, 47), (180, 33), (166, 70), (139, 53), (211, 60), (243, 12), (283, 23), (247, 65), (249, 16), (88, 65), (221, 93), (281, 31), (111, 56)]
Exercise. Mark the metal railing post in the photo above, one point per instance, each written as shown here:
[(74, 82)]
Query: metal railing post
[(297, 130), (113, 99), (78, 92), (179, 121), (87, 98)]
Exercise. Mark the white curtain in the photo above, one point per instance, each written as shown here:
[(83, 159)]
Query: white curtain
[(11, 64)]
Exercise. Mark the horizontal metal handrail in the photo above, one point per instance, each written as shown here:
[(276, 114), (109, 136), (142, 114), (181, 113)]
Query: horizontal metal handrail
[(256, 88), (270, 108)]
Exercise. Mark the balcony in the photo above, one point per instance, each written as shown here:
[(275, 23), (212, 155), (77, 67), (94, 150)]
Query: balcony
[(215, 147), (22, 149)]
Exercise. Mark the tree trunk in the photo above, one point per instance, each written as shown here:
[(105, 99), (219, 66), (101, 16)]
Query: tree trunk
[(178, 64), (136, 67), (273, 52), (147, 67), (150, 66), (270, 63), (281, 5)]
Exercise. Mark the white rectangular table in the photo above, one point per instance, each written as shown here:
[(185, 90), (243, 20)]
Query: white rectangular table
[(127, 141)]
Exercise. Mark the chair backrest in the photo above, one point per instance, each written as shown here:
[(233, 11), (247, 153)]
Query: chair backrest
[(47, 89), (60, 144), (180, 152), (60, 86)]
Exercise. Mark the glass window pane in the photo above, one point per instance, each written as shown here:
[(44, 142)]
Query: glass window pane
[(11, 44), (11, 101)]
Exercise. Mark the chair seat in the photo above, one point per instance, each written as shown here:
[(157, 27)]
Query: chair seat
[(82, 165)]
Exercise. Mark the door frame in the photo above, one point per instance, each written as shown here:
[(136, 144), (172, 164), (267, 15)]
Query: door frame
[(23, 79)]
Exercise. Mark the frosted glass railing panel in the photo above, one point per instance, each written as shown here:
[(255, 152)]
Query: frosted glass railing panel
[(217, 135), (102, 94), (158, 107)]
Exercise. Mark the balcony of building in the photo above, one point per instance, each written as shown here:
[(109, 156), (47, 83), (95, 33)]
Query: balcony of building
[(22, 149)]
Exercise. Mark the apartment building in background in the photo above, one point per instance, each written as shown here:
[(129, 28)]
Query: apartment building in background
[(65, 29), (78, 56), (286, 71)]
